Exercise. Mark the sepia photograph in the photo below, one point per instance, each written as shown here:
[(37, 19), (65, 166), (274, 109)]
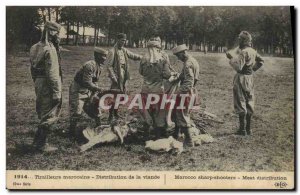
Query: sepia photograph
[(150, 97)]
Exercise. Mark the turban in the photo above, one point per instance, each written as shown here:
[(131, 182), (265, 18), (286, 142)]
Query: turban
[(52, 26)]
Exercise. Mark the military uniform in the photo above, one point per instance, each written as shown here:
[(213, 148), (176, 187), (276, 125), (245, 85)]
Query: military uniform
[(188, 79), (45, 72), (118, 66), (154, 74), (118, 69), (245, 64), (189, 76), (81, 91)]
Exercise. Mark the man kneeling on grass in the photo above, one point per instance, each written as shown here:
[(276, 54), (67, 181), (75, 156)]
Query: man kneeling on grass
[(82, 89)]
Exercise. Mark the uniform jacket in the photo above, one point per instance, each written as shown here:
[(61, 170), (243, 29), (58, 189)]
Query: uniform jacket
[(88, 75), (44, 64), (114, 67)]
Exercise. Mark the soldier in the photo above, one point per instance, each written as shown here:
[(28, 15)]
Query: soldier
[(154, 67), (83, 89), (45, 72), (188, 78), (246, 62), (118, 68)]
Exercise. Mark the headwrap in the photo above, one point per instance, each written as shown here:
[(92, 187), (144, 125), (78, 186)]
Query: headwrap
[(52, 26), (179, 48), (245, 38), (49, 25), (154, 48)]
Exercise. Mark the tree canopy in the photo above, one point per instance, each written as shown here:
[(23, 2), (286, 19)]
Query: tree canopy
[(208, 29)]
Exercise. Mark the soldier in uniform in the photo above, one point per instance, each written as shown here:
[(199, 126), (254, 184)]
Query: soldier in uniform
[(188, 79), (118, 67), (154, 67), (245, 64), (45, 72), (83, 89)]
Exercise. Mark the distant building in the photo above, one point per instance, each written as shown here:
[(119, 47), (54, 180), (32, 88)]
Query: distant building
[(88, 35)]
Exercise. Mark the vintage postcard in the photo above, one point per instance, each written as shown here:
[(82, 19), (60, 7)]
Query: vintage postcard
[(150, 97)]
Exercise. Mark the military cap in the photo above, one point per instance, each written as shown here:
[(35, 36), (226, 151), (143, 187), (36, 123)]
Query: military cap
[(100, 51), (121, 36), (245, 36), (52, 26), (179, 48)]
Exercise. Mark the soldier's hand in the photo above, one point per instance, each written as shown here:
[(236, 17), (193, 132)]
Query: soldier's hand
[(56, 101), (228, 55), (114, 79), (99, 90)]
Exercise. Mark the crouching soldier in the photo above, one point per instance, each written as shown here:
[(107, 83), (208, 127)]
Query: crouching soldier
[(245, 63), (82, 89), (188, 78), (45, 72)]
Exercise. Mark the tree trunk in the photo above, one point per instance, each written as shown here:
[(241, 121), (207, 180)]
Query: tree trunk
[(68, 30), (49, 13), (95, 34), (44, 15), (57, 13), (77, 34), (83, 36)]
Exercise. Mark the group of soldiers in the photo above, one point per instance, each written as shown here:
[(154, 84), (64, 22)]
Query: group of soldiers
[(154, 67)]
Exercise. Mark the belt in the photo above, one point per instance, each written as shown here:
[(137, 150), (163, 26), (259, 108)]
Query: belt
[(38, 72)]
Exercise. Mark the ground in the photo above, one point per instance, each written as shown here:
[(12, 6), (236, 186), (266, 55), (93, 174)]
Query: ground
[(271, 148)]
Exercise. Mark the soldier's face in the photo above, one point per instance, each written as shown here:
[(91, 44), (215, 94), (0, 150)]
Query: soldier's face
[(100, 58), (121, 42), (181, 55), (54, 37)]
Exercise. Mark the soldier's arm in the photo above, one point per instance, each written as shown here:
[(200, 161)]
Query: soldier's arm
[(142, 63), (109, 64), (188, 82), (52, 74), (166, 72), (87, 80), (237, 63), (133, 56), (259, 62)]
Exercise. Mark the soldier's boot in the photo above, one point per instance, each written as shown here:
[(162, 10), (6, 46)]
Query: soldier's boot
[(176, 132), (98, 121), (116, 114), (79, 137), (72, 128), (188, 141), (111, 115), (242, 129), (157, 133), (248, 124), (40, 138)]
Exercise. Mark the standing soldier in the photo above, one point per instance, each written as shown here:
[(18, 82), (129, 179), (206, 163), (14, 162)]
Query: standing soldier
[(188, 78), (154, 67), (45, 72), (245, 63), (83, 88), (118, 68)]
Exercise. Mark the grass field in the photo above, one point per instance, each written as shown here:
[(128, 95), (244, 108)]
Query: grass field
[(271, 148)]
